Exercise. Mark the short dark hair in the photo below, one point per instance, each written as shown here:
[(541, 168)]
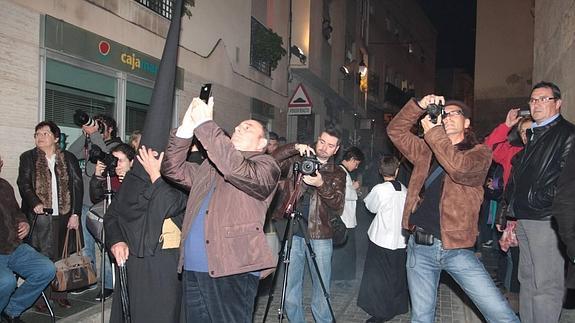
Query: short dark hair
[(353, 152), (273, 136), (109, 122), (464, 107), (54, 129), (550, 85), (126, 149), (334, 133), (388, 165)]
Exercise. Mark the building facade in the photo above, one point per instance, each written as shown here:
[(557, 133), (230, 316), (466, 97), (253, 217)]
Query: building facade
[(103, 56)]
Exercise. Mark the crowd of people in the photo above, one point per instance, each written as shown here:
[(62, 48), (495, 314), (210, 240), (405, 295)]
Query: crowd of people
[(189, 223)]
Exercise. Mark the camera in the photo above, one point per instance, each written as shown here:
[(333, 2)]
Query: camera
[(48, 211), (308, 165), (81, 119), (97, 154), (524, 113), (434, 111)]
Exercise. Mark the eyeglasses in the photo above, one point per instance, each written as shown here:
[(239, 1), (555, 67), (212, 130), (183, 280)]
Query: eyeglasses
[(543, 99), (42, 134), (452, 113)]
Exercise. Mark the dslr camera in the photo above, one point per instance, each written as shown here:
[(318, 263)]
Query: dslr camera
[(434, 111), (97, 154), (81, 119), (307, 166)]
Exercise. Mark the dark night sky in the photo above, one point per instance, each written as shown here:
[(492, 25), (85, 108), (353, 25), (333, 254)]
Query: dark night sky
[(454, 21)]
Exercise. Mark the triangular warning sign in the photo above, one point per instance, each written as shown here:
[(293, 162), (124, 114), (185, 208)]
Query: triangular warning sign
[(300, 98)]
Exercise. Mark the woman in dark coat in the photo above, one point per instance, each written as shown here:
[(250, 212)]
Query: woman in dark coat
[(49, 178)]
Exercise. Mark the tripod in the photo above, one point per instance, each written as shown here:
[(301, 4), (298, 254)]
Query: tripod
[(108, 194), (294, 217)]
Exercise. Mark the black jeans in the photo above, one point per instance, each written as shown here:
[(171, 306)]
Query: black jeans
[(223, 299)]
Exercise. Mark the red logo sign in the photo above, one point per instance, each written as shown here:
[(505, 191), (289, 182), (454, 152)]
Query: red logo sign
[(104, 47)]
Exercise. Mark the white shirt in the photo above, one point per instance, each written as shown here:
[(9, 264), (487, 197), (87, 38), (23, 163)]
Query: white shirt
[(52, 165), (348, 215), (385, 229)]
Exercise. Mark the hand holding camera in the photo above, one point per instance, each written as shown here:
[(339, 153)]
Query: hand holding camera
[(512, 117), (89, 125), (427, 122), (304, 150)]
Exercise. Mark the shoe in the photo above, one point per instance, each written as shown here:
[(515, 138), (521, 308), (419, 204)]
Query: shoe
[(569, 302), (107, 294), (63, 303), (10, 319), (84, 289), (41, 307)]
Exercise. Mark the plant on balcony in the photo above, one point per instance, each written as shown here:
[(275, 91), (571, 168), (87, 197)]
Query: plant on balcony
[(267, 46)]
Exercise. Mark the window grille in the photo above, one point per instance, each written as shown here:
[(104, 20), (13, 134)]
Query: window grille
[(164, 8)]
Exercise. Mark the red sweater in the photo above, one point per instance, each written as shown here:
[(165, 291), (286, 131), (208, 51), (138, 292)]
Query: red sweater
[(504, 151)]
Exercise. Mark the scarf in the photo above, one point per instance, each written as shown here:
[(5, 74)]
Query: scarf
[(44, 181)]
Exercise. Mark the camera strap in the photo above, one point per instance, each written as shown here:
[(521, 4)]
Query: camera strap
[(433, 176)]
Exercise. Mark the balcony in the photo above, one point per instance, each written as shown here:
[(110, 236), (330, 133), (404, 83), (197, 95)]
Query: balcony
[(258, 32), (164, 8)]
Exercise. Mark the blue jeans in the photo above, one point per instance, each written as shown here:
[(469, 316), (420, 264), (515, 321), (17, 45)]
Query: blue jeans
[(36, 269), (90, 249), (222, 299), (294, 290), (424, 265)]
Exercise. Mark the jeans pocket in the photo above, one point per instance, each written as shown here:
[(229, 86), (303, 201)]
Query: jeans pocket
[(411, 252)]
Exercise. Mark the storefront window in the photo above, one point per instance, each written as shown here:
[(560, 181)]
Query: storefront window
[(137, 104), (69, 88)]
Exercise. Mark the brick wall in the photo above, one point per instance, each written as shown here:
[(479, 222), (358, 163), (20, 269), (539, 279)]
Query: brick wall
[(19, 79)]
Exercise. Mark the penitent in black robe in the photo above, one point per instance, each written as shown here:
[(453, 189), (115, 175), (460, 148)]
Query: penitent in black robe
[(136, 217)]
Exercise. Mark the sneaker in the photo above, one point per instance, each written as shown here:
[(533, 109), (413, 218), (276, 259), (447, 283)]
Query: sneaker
[(84, 289), (107, 294)]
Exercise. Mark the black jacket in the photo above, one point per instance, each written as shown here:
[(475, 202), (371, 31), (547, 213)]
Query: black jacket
[(564, 205), (535, 174)]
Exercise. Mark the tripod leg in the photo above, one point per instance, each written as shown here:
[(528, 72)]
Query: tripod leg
[(317, 271), (283, 257)]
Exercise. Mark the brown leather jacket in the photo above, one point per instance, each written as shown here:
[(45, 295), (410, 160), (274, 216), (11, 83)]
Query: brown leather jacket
[(326, 200), (462, 186), (245, 183), (10, 218)]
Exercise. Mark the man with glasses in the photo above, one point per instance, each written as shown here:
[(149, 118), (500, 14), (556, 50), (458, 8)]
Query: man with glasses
[(442, 207), (532, 189)]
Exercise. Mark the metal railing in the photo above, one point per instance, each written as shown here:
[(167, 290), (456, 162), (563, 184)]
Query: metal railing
[(164, 8)]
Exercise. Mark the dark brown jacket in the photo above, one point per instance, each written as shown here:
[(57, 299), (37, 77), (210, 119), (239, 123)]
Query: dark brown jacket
[(245, 183), (326, 201), (462, 190), (10, 217), (26, 181)]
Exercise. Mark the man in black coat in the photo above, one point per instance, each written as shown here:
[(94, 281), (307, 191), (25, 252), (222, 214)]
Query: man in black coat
[(532, 189)]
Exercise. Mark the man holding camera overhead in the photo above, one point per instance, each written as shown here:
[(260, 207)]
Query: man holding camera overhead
[(321, 195), (224, 251), (442, 206), (101, 131)]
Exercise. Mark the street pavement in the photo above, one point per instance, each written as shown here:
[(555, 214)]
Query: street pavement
[(452, 304)]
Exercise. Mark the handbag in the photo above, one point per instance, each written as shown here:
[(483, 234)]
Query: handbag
[(95, 221), (73, 271), (339, 230)]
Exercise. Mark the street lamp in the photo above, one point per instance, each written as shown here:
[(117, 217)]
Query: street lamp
[(298, 52)]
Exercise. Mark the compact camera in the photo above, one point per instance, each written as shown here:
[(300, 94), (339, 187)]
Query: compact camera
[(434, 111), (308, 165), (97, 154)]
